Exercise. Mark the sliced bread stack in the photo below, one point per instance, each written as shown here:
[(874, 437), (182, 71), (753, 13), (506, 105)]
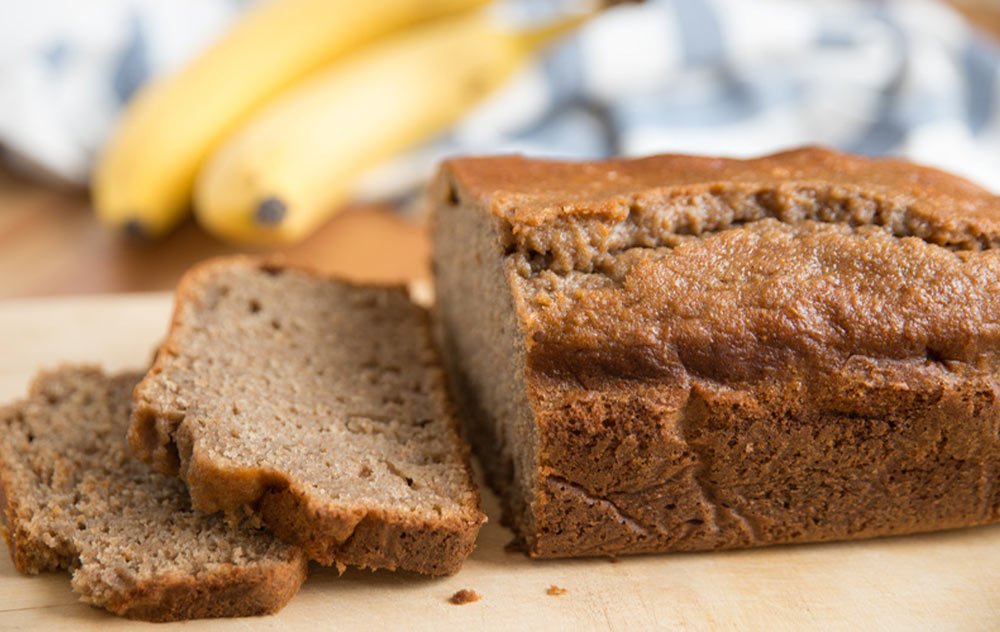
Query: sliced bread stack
[(284, 399), (74, 497)]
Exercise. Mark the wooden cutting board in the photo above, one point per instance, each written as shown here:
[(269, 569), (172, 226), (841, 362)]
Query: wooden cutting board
[(943, 581)]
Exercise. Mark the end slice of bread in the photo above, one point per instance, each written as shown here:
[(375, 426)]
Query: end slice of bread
[(74, 497), (318, 407)]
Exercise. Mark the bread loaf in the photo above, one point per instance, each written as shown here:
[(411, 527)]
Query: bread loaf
[(682, 353)]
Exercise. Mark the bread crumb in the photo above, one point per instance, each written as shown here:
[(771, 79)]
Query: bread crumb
[(465, 596), (555, 591), (613, 559)]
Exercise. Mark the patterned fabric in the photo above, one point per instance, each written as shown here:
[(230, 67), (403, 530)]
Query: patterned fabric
[(726, 77)]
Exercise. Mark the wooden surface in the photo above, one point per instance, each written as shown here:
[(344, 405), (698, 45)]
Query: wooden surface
[(51, 244), (945, 581)]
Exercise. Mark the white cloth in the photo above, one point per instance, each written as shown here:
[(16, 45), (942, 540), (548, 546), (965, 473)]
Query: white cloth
[(726, 77)]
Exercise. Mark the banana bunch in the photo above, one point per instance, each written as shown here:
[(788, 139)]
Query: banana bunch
[(268, 130)]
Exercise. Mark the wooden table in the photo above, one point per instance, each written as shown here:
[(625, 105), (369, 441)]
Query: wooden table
[(51, 244)]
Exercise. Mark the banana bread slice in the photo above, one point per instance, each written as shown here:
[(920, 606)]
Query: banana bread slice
[(74, 497), (679, 353), (317, 406)]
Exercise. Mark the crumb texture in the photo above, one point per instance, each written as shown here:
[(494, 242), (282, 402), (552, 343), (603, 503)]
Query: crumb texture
[(677, 353), (75, 498), (318, 407)]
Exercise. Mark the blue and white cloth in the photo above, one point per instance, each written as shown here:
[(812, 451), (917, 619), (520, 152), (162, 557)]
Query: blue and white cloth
[(723, 77)]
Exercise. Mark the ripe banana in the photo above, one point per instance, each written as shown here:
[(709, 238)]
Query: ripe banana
[(144, 178), (293, 163)]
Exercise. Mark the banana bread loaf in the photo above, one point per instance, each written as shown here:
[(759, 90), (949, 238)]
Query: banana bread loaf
[(74, 497), (318, 407), (680, 353)]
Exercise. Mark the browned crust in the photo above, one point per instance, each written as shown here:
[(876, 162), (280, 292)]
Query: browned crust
[(328, 535), (226, 592), (922, 459), (531, 192), (374, 540)]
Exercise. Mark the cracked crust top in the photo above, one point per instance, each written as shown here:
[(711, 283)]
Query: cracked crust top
[(533, 195), (316, 406)]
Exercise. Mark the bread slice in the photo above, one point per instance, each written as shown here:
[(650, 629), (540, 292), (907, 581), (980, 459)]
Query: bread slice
[(318, 407), (678, 353), (74, 497)]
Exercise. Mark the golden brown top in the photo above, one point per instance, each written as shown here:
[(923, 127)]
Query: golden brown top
[(537, 187), (730, 270)]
